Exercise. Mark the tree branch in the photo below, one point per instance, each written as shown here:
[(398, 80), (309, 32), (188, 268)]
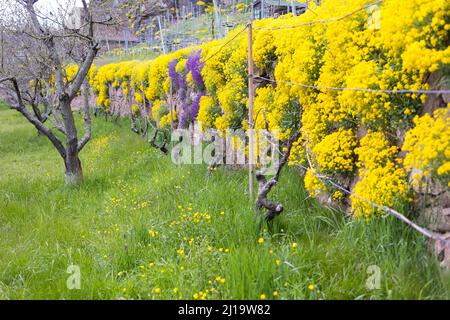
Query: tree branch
[(87, 117), (38, 124), (83, 71), (59, 125)]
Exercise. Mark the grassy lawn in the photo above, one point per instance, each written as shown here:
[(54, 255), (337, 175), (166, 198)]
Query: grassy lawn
[(143, 228)]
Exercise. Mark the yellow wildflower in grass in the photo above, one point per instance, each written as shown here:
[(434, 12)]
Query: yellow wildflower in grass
[(263, 297), (261, 240), (311, 287), (153, 233), (157, 290), (294, 245), (275, 293)]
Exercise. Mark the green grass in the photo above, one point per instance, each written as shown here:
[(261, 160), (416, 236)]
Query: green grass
[(130, 188)]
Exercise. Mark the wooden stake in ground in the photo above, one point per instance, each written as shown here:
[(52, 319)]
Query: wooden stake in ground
[(219, 22), (250, 109), (161, 34)]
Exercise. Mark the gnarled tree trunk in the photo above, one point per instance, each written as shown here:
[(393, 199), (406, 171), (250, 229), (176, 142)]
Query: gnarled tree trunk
[(74, 171)]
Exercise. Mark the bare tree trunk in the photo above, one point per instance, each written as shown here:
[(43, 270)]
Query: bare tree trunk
[(74, 173), (2, 56)]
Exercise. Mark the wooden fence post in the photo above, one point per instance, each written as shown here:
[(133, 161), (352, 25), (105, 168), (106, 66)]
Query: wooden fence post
[(250, 110)]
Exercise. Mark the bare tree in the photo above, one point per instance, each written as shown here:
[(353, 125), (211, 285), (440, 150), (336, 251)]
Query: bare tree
[(34, 73)]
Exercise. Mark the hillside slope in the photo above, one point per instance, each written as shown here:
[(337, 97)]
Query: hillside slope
[(142, 227)]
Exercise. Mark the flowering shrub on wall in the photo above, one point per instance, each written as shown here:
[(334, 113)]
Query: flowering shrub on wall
[(347, 134), (428, 144)]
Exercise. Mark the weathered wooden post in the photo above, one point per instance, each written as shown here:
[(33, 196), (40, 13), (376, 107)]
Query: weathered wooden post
[(217, 14), (250, 110)]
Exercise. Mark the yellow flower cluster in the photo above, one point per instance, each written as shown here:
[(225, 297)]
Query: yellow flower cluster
[(384, 186), (428, 145), (374, 150), (313, 184), (166, 119), (336, 151), (271, 110), (196, 217), (71, 71), (298, 153), (208, 112), (102, 81), (381, 180)]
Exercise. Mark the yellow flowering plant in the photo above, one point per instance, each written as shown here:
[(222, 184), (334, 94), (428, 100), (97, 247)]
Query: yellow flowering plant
[(347, 132), (336, 152), (428, 145)]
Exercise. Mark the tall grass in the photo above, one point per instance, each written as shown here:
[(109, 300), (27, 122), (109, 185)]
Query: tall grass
[(141, 227)]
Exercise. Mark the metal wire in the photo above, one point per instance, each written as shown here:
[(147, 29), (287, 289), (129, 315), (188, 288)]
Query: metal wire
[(399, 91), (226, 43)]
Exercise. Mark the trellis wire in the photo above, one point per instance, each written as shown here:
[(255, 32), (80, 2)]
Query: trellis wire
[(399, 91), (226, 43)]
